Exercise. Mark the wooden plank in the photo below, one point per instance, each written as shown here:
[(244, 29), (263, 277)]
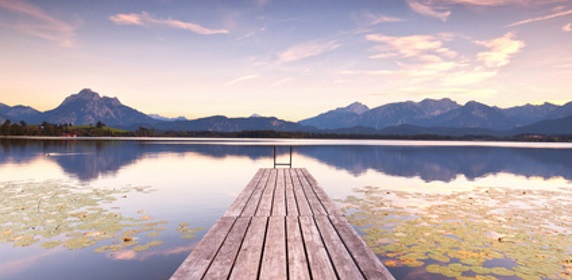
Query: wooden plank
[(265, 206), (247, 263), (291, 205), (297, 261), (197, 263), (329, 206), (279, 207), (222, 264), (254, 200), (274, 256), (368, 262), (299, 241), (240, 202), (343, 263), (313, 200), (320, 265), (301, 200)]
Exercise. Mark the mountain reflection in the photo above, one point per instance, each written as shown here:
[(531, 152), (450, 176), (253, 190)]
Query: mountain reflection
[(445, 163), (86, 160)]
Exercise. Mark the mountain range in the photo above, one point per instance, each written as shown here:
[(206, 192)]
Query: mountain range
[(429, 116)]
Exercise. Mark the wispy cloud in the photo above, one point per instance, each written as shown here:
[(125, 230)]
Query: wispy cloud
[(422, 59), (427, 8), (36, 22), (551, 16), (567, 27), (305, 50), (250, 34), (500, 50), (420, 47), (419, 58), (367, 18), (442, 9), (146, 19), (243, 79), (281, 82), (463, 78)]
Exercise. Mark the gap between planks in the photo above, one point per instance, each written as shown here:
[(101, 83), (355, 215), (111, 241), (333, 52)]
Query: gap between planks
[(282, 226)]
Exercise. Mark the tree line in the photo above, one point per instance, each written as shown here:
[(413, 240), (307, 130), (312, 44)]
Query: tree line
[(101, 130), (47, 129)]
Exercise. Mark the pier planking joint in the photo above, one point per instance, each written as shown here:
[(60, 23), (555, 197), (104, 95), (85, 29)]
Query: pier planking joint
[(282, 226)]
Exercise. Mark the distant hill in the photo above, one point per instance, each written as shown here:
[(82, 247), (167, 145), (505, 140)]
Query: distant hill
[(84, 108), (88, 107), (562, 126), (392, 114), (224, 124), (414, 113), (474, 115), (443, 117), (161, 118), (337, 118), (561, 111), (18, 113), (528, 114), (2, 108)]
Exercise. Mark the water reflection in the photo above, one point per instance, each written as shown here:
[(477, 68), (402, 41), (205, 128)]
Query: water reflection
[(88, 160), (484, 233), (446, 163), (59, 214)]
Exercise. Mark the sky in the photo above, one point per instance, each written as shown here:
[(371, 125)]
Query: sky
[(289, 59)]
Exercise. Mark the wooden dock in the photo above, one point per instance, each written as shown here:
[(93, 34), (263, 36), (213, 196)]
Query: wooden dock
[(282, 226)]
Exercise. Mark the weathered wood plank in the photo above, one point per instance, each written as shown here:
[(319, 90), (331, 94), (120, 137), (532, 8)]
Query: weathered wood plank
[(197, 263), (328, 204), (282, 225), (315, 205), (291, 205), (368, 262), (247, 263), (320, 265), (265, 206), (222, 263), (274, 256), (297, 261), (301, 200), (242, 199), (279, 207), (343, 263), (254, 200)]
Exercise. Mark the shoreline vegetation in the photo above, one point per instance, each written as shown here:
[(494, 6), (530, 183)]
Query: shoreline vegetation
[(45, 129)]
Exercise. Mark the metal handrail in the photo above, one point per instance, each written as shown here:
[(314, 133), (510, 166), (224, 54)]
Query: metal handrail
[(289, 164)]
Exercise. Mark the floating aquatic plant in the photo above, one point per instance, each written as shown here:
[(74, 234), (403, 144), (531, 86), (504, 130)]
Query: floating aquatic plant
[(485, 233), (187, 232), (56, 213)]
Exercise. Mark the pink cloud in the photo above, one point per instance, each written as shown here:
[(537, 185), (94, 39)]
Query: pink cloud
[(36, 22), (146, 19), (551, 16)]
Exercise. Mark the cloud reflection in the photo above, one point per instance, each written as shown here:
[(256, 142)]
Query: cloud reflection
[(88, 160)]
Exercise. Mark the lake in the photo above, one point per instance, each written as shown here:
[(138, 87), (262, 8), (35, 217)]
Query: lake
[(135, 208)]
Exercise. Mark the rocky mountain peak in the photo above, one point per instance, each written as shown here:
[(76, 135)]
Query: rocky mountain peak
[(356, 108), (85, 95), (434, 107)]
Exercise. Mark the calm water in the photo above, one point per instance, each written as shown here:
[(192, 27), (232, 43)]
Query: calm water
[(134, 209)]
